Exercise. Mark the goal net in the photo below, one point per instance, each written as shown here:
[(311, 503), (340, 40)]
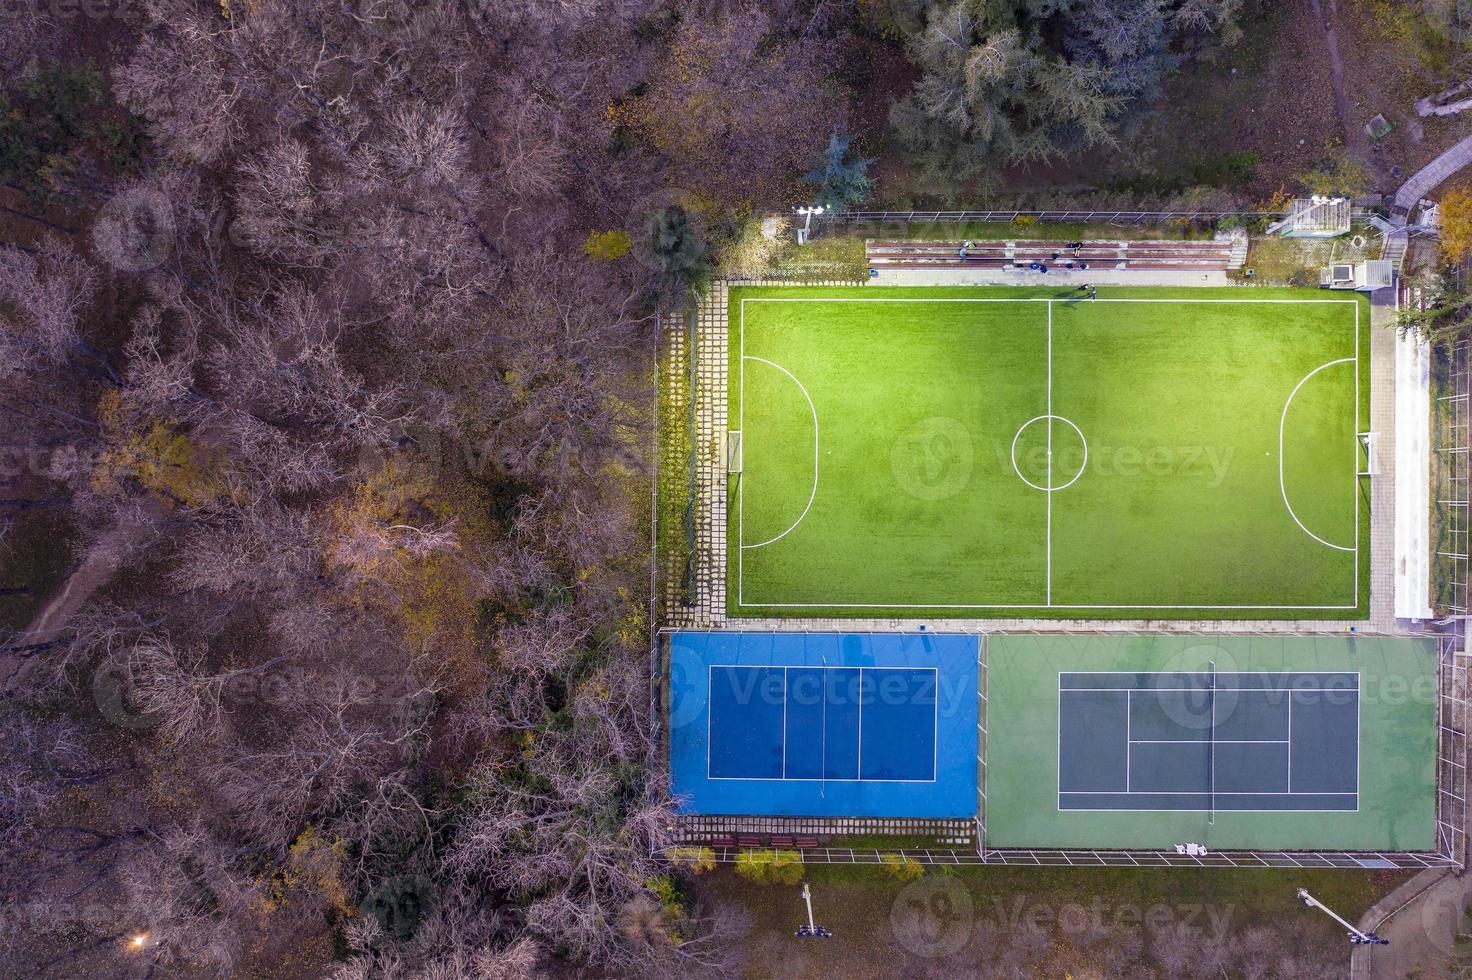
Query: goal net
[(1367, 462)]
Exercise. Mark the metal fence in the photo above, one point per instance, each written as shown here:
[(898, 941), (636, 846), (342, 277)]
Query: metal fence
[(1065, 216), (1452, 717), (1451, 437), (1349, 860)]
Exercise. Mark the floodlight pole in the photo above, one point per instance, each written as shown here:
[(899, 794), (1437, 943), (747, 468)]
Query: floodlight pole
[(1355, 936), (807, 225), (812, 929)]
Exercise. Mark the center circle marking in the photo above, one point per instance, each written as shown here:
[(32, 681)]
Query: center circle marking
[(1081, 467)]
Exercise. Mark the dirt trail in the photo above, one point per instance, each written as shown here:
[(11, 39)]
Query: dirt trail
[(98, 565)]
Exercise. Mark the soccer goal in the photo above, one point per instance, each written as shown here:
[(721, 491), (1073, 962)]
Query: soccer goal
[(733, 451), (1368, 465)]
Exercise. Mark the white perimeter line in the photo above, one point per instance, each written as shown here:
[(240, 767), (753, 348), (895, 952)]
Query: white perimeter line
[(1048, 572), (710, 670), (1129, 692), (1028, 299), (741, 602), (1208, 741), (1012, 605), (1195, 792)]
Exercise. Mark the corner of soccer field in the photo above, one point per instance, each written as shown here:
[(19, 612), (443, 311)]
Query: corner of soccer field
[(1020, 452)]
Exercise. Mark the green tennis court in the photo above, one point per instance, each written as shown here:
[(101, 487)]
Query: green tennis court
[(1242, 742), (979, 452)]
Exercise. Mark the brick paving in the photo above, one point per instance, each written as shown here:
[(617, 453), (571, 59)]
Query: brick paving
[(1432, 176)]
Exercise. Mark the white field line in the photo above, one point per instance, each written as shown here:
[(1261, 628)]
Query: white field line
[(816, 452), (710, 670), (1026, 299), (1282, 487), (1128, 691), (740, 496), (1048, 585)]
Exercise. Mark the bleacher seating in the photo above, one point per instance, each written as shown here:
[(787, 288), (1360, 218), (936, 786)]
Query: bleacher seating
[(1182, 255)]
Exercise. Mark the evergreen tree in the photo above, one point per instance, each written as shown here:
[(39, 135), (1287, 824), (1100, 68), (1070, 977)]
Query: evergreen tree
[(843, 180)]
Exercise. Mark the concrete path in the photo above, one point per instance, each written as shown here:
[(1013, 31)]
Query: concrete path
[(1420, 919), (1430, 177)]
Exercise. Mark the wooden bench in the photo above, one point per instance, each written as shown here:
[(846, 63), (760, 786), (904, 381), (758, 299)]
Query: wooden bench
[(750, 840)]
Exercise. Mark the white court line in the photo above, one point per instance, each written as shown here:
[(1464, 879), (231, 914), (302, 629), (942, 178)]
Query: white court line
[(816, 450), (1027, 299), (1129, 693), (711, 668), (741, 602), (1282, 487), (1355, 480), (1213, 741)]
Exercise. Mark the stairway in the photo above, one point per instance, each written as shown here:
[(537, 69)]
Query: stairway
[(1238, 257), (1395, 250)]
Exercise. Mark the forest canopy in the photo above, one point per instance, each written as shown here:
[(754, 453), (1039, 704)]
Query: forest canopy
[(328, 358)]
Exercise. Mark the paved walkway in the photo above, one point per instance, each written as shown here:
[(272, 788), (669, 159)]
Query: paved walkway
[(1430, 177), (1420, 919)]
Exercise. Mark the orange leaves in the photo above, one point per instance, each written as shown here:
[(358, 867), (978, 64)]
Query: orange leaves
[(1456, 225)]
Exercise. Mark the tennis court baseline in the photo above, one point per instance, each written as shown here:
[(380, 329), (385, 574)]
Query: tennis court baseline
[(840, 723), (824, 724), (1208, 741)]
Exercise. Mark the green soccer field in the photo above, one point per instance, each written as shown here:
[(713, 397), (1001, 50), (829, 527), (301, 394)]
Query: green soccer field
[(966, 452)]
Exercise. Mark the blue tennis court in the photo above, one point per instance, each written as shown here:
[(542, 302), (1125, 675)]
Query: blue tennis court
[(824, 724), (1208, 741)]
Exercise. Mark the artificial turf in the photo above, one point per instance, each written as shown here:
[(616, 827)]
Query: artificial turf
[(889, 467)]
